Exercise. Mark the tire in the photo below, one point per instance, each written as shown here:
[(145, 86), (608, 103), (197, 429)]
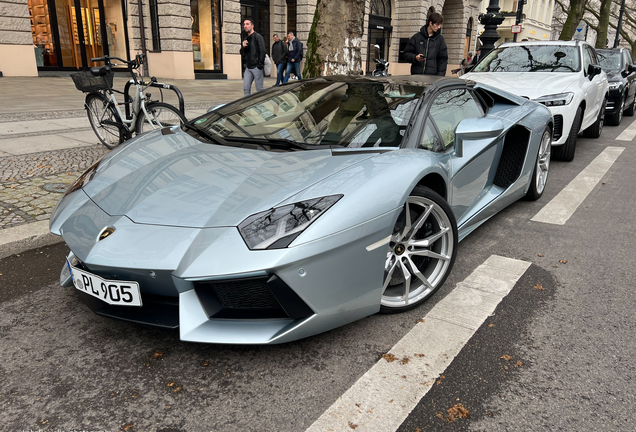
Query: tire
[(414, 271), (541, 167), (595, 130), (632, 108), (615, 118), (162, 114), (566, 151), (98, 109)]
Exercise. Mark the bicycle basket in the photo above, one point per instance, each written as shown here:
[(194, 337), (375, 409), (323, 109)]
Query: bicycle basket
[(86, 82)]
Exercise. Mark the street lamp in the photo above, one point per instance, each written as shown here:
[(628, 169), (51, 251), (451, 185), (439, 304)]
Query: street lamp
[(620, 24), (490, 20)]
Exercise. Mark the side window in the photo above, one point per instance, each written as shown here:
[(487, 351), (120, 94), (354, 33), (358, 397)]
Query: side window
[(430, 138), (587, 60), (627, 60), (593, 55), (451, 107)]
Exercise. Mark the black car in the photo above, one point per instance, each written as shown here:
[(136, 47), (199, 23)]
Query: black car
[(621, 75)]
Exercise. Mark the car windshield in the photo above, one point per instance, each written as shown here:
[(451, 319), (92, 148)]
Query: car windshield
[(610, 61), (314, 114), (532, 58)]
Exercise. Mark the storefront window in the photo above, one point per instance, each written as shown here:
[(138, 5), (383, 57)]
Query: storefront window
[(206, 34)]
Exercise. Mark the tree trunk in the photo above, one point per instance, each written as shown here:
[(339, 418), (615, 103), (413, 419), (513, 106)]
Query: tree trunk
[(603, 24), (577, 10), (334, 44)]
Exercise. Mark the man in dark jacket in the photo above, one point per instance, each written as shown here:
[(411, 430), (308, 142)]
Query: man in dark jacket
[(253, 52), (426, 50), (279, 56), (294, 56)]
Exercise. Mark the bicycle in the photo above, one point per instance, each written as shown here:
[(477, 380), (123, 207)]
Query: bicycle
[(113, 127)]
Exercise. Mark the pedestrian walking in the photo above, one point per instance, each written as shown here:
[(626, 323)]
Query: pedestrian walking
[(426, 50), (475, 60), (294, 56), (279, 56), (253, 52)]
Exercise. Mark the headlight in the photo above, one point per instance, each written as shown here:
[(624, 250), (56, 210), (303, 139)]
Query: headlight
[(614, 85), (82, 180), (555, 99), (278, 227)]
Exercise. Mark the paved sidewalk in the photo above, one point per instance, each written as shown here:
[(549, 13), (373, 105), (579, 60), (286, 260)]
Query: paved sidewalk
[(46, 142)]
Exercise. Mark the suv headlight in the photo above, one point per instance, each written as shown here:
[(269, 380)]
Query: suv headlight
[(278, 227), (614, 85), (555, 99)]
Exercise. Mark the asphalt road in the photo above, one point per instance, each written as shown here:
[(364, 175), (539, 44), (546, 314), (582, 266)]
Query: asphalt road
[(571, 344)]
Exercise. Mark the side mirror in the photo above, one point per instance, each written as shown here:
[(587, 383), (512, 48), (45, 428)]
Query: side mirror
[(476, 129), (631, 68), (593, 70)]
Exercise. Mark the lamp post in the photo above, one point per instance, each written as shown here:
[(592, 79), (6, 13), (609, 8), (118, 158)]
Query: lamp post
[(490, 20), (620, 24)]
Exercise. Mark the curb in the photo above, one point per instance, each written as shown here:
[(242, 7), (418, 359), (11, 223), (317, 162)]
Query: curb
[(26, 237)]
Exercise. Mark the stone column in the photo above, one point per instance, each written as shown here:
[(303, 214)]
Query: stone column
[(17, 55)]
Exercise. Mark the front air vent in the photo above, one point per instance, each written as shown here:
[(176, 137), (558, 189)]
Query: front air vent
[(558, 127)]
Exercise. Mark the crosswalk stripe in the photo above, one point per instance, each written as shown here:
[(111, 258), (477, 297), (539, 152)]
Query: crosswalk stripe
[(563, 206), (629, 133), (384, 396)]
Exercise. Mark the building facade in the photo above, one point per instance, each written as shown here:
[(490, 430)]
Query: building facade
[(186, 39)]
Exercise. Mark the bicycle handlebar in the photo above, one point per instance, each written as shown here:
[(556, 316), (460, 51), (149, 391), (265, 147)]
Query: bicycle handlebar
[(133, 64)]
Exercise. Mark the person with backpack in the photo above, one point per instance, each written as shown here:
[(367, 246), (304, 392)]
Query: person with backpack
[(253, 52), (294, 56)]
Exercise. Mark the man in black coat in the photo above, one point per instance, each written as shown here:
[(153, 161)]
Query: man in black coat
[(279, 56), (426, 50), (253, 52)]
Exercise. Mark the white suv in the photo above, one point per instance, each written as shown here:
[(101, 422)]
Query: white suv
[(565, 76)]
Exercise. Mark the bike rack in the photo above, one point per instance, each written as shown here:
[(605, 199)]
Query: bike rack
[(157, 85)]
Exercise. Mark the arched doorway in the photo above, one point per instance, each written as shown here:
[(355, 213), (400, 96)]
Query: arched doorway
[(379, 32)]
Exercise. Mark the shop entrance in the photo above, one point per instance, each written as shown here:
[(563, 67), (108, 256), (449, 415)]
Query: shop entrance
[(379, 32), (68, 33)]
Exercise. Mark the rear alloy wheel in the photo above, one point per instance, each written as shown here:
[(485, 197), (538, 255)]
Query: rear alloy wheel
[(595, 130), (541, 167), (566, 151), (421, 252), (615, 118)]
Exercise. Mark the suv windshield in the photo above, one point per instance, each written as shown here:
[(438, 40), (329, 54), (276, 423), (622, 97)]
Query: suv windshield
[(610, 61), (314, 114), (532, 58)]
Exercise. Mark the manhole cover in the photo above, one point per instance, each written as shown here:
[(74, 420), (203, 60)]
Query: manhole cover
[(55, 187)]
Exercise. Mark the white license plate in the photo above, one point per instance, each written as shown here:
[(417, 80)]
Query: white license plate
[(120, 293)]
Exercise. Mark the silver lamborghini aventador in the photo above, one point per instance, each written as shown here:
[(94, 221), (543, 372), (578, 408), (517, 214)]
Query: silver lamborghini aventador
[(300, 208)]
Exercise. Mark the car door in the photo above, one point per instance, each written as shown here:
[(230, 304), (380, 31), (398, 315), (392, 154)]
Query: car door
[(472, 172), (593, 87)]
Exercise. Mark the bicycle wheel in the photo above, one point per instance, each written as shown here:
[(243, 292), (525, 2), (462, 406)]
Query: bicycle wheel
[(162, 115), (99, 110)]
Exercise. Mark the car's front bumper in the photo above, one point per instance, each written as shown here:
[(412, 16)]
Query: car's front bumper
[(563, 117), (195, 278), (613, 101)]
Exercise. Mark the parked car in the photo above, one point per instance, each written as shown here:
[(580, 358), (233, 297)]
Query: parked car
[(565, 76), (621, 75), (300, 208)]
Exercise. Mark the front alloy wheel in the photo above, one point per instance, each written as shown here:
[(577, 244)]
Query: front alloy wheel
[(541, 168), (421, 252)]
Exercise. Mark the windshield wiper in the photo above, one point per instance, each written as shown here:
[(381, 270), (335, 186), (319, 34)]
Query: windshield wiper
[(215, 139), (280, 143)]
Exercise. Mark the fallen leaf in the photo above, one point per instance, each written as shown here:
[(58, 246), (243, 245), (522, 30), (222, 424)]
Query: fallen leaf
[(127, 427), (555, 266), (457, 411), (420, 320), (157, 354), (506, 367), (506, 357), (358, 405), (539, 287), (352, 426), (178, 389), (419, 355), (391, 401), (491, 325), (417, 430), (563, 261), (439, 415), (540, 255), (602, 184), (389, 357), (207, 363), (519, 363), (170, 384), (405, 360)]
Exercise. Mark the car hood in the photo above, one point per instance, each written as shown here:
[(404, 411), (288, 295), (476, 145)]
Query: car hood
[(177, 180), (527, 84), (615, 77)]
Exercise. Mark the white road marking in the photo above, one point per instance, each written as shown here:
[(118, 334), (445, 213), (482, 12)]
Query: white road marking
[(563, 206), (384, 396), (629, 133)]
